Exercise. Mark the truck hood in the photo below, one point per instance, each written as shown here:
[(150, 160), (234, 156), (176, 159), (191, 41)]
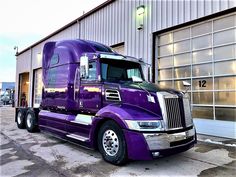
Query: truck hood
[(150, 87), (137, 94)]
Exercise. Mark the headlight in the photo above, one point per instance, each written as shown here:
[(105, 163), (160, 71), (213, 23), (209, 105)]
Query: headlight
[(151, 125)]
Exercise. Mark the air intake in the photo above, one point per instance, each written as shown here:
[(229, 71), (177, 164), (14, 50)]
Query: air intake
[(112, 95)]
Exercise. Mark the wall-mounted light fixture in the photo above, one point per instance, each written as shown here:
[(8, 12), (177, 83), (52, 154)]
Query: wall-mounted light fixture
[(39, 57), (140, 16), (16, 49)]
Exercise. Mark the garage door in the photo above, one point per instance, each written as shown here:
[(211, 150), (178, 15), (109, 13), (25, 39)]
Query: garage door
[(204, 54)]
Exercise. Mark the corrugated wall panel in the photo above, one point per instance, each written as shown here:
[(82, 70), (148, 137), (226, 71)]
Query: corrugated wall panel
[(125, 23), (159, 15), (164, 14), (181, 11), (193, 10), (175, 14), (224, 4), (106, 25), (208, 7), (187, 11), (69, 33), (215, 6), (115, 20), (129, 28), (200, 9), (133, 29), (23, 63), (232, 3), (170, 13), (36, 55)]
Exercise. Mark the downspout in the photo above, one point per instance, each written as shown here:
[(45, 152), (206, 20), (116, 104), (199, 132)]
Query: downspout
[(31, 79)]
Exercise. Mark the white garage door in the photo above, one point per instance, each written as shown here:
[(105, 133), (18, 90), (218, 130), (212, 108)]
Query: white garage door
[(203, 54)]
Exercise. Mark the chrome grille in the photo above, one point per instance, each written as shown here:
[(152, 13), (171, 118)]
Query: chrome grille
[(175, 110), (173, 113), (187, 112)]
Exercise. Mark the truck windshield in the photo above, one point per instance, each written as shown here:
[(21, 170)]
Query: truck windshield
[(120, 70)]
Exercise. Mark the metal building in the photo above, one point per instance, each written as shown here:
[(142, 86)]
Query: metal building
[(183, 40)]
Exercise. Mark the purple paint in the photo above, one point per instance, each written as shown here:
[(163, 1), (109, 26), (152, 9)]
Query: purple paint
[(78, 107)]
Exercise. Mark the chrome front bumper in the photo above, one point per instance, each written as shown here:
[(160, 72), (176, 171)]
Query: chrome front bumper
[(159, 141)]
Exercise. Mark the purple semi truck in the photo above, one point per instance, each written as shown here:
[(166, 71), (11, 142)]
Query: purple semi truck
[(98, 98)]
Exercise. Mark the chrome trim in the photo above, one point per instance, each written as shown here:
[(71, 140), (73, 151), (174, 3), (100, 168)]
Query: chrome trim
[(110, 142), (160, 96), (81, 123), (77, 137), (170, 108), (187, 112), (83, 119), (168, 115), (108, 96), (158, 141)]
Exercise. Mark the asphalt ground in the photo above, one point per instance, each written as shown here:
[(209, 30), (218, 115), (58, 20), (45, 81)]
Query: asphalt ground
[(39, 154)]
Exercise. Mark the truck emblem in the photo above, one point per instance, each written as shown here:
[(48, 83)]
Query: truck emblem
[(80, 104), (150, 98)]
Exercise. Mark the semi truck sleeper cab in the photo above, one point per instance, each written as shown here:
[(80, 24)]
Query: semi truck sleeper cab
[(98, 98)]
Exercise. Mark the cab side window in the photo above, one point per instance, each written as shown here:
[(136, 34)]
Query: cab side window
[(92, 71)]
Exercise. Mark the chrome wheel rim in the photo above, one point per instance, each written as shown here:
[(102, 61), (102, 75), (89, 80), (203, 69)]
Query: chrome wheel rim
[(19, 117), (29, 120), (110, 142)]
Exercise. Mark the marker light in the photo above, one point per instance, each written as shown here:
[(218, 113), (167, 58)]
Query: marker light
[(140, 10)]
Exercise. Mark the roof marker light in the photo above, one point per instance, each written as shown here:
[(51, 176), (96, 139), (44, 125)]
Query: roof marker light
[(117, 57)]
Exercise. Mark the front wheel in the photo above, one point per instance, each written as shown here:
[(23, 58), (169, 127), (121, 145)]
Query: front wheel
[(111, 143)]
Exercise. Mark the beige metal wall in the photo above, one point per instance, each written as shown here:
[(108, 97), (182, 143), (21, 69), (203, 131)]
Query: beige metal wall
[(117, 23)]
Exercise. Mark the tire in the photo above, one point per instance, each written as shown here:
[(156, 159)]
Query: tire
[(20, 119), (31, 121), (111, 143)]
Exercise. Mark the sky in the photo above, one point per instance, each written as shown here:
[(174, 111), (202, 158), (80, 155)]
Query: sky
[(24, 22)]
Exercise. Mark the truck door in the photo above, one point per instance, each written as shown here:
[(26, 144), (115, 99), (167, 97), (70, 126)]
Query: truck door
[(90, 91), (88, 97)]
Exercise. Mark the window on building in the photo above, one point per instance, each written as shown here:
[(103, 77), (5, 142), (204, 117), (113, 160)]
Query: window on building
[(38, 83), (23, 96), (203, 54)]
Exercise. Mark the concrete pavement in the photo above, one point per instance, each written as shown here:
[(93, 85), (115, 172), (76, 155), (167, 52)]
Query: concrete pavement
[(38, 154)]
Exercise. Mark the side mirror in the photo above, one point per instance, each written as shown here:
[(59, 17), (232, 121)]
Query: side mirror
[(186, 85), (84, 67)]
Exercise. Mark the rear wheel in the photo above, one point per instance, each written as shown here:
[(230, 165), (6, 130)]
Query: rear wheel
[(111, 143), (20, 119), (31, 122)]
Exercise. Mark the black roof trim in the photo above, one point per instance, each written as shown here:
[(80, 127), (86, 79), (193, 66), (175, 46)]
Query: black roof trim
[(106, 3), (118, 44)]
